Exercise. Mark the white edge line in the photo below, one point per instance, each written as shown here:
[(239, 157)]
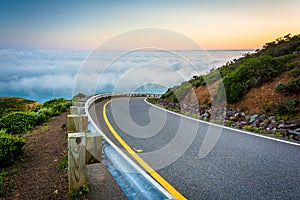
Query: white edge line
[(226, 127), (140, 170)]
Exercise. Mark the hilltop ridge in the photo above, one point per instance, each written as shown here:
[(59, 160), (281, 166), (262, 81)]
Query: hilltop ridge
[(259, 91), (16, 104)]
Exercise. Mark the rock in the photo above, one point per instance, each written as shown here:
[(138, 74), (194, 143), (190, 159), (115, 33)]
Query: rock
[(291, 126), (271, 117), (270, 126), (205, 115), (273, 121), (295, 134), (253, 118), (247, 118), (256, 123), (263, 125), (297, 121), (242, 116), (281, 126), (235, 118), (262, 117)]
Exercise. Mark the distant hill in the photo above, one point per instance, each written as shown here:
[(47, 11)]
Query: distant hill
[(15, 104), (267, 81)]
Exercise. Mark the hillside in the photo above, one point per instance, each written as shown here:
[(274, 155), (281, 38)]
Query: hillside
[(16, 104), (265, 83)]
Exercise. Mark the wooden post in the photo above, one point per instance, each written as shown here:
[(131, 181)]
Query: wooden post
[(77, 123), (93, 145), (80, 110), (79, 103), (73, 123), (76, 160), (73, 110), (82, 123)]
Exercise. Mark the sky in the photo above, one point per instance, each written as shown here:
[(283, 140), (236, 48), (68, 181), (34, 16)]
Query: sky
[(83, 25)]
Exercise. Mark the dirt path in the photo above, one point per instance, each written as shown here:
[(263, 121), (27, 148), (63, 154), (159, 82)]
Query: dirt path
[(39, 176)]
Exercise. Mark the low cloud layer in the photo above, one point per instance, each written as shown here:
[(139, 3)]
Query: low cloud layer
[(45, 74)]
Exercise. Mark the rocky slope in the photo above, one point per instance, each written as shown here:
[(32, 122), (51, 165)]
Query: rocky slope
[(259, 92)]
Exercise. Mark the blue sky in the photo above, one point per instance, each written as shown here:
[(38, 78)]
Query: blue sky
[(218, 24)]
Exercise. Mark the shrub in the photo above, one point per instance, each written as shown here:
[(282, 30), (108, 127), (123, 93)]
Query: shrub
[(50, 109), (288, 108), (252, 73), (54, 102), (11, 149), (295, 72), (292, 87), (18, 122), (197, 81), (41, 116), (182, 91)]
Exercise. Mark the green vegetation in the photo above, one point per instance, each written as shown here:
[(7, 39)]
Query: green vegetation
[(290, 107), (16, 123), (292, 87), (281, 46), (250, 71), (14, 104), (11, 148), (11, 144), (254, 129), (50, 109), (170, 95), (197, 81), (64, 161), (178, 93), (12, 124), (295, 72), (82, 190), (63, 126)]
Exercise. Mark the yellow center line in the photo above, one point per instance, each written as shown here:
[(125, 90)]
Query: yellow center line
[(148, 169)]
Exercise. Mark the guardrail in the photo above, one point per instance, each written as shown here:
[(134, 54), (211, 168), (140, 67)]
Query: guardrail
[(139, 181)]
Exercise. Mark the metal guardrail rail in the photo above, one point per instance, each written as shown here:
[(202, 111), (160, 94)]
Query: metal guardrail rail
[(139, 181)]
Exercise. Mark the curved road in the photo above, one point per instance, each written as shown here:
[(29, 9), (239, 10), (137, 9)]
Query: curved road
[(239, 166)]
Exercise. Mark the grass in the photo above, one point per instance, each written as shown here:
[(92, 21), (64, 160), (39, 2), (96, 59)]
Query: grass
[(81, 191), (64, 161)]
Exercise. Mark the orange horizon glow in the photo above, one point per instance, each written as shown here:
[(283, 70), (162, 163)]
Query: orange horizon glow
[(213, 25)]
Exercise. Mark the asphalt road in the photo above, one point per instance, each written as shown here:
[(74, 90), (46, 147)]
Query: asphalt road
[(203, 161)]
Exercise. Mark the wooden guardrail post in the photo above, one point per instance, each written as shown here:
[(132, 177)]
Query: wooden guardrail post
[(93, 146), (73, 110), (77, 123), (76, 160), (72, 123), (84, 147)]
